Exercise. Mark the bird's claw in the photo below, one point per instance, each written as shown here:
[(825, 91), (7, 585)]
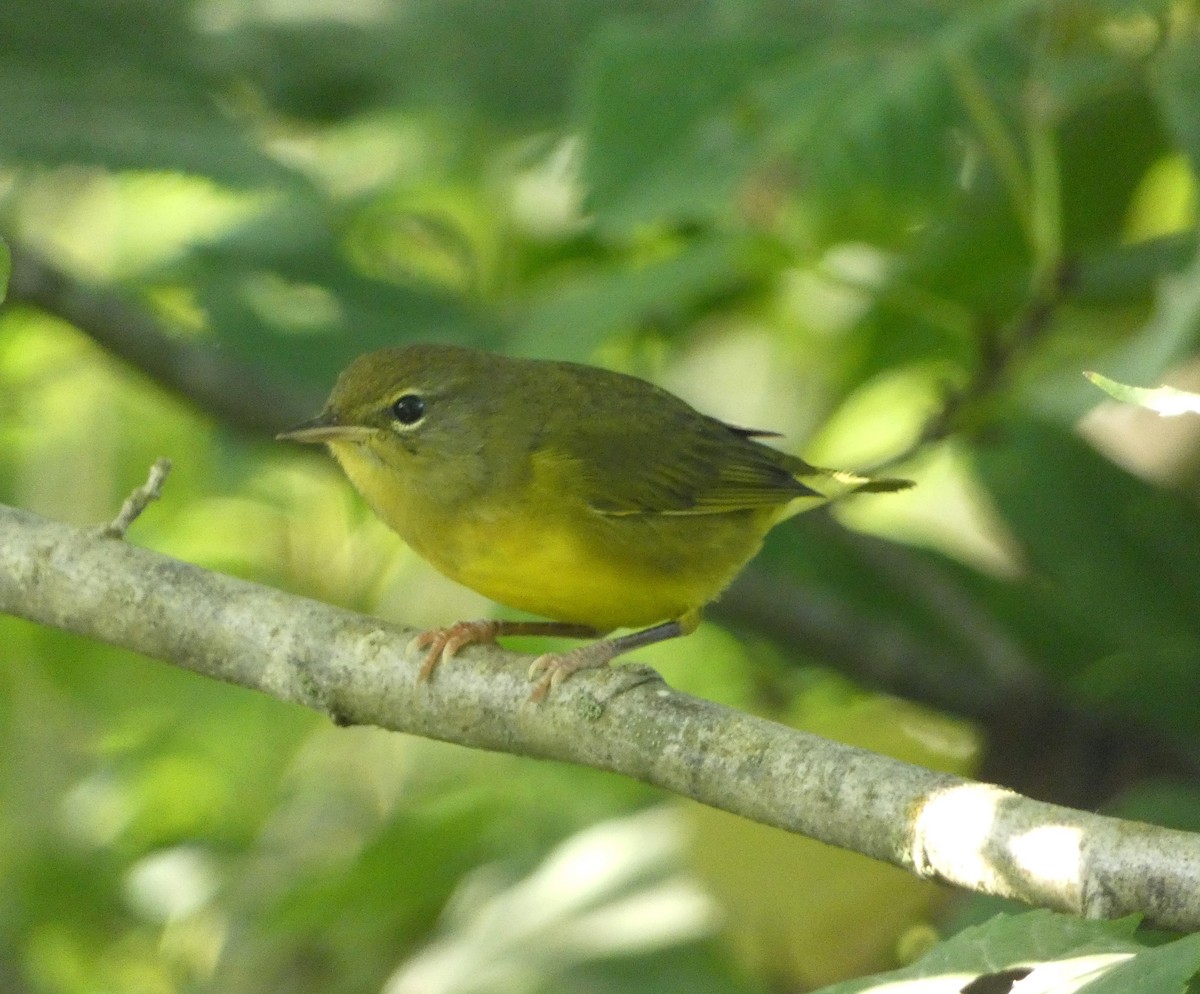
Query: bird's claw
[(554, 667), (443, 643)]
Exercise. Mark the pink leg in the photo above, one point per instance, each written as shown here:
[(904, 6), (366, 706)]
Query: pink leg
[(555, 667), (444, 643)]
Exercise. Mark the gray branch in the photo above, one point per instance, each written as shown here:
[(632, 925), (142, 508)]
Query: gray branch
[(227, 387), (357, 670)]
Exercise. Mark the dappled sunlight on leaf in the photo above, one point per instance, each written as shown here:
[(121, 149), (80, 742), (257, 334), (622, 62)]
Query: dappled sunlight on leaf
[(546, 199), (613, 889), (299, 524), (1167, 401), (171, 884), (832, 296), (97, 810), (120, 226)]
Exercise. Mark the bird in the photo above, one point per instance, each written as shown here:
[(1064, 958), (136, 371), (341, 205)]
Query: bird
[(578, 494)]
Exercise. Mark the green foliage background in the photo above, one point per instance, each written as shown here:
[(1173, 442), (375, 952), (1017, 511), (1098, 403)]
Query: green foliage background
[(896, 232)]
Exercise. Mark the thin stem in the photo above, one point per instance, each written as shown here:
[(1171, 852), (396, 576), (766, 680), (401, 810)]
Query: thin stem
[(996, 138)]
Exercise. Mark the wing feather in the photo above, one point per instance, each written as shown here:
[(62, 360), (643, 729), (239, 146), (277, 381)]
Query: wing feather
[(694, 465), (648, 452)]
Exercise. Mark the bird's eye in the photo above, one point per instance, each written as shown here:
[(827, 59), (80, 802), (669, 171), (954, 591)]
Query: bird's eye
[(409, 409)]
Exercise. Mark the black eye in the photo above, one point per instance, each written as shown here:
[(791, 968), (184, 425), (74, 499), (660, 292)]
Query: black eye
[(409, 409)]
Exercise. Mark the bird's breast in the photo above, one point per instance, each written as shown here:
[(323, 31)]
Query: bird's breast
[(539, 546)]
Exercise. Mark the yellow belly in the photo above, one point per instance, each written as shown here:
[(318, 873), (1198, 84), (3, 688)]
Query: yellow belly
[(559, 573), (546, 552)]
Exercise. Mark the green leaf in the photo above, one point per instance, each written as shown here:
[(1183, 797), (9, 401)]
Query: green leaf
[(509, 61), (1119, 127), (526, 934), (1169, 334), (870, 121), (1175, 87), (1039, 940), (852, 602), (1114, 553), (604, 302), (1044, 951), (1123, 273), (1172, 330), (122, 85), (1126, 552), (1169, 802), (666, 137), (679, 124), (280, 291), (1165, 969), (1164, 400)]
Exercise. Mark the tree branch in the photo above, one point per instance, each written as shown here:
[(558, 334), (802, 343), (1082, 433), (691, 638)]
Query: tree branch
[(227, 387), (1007, 703), (1040, 742), (357, 670)]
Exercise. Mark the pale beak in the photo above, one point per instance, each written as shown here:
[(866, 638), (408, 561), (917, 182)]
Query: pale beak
[(325, 428)]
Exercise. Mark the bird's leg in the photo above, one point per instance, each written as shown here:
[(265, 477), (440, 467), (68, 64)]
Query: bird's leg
[(555, 667), (443, 643)]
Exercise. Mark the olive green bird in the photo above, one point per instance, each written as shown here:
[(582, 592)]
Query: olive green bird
[(570, 492)]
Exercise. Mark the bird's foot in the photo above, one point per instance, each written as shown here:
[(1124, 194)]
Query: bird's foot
[(554, 667), (444, 643)]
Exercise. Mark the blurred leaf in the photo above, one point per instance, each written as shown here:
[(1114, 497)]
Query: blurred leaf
[(912, 619), (664, 135), (1169, 335), (612, 889), (315, 69), (1175, 83), (345, 913), (1172, 330), (120, 85), (1120, 273), (1167, 401), (5, 268), (1116, 124), (693, 966), (503, 64), (514, 61), (1115, 553), (1170, 803), (576, 316), (1103, 537), (871, 121), (675, 122), (279, 291)]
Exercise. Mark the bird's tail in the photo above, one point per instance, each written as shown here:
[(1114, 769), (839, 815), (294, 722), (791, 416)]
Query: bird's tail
[(834, 484)]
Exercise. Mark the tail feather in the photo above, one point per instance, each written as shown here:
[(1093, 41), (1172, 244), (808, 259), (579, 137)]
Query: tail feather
[(858, 484), (836, 483), (884, 485)]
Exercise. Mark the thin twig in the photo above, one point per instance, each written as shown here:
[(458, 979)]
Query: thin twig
[(999, 349), (137, 501)]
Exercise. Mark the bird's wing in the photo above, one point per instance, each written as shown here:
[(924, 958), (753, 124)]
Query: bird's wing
[(688, 465), (647, 452)]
